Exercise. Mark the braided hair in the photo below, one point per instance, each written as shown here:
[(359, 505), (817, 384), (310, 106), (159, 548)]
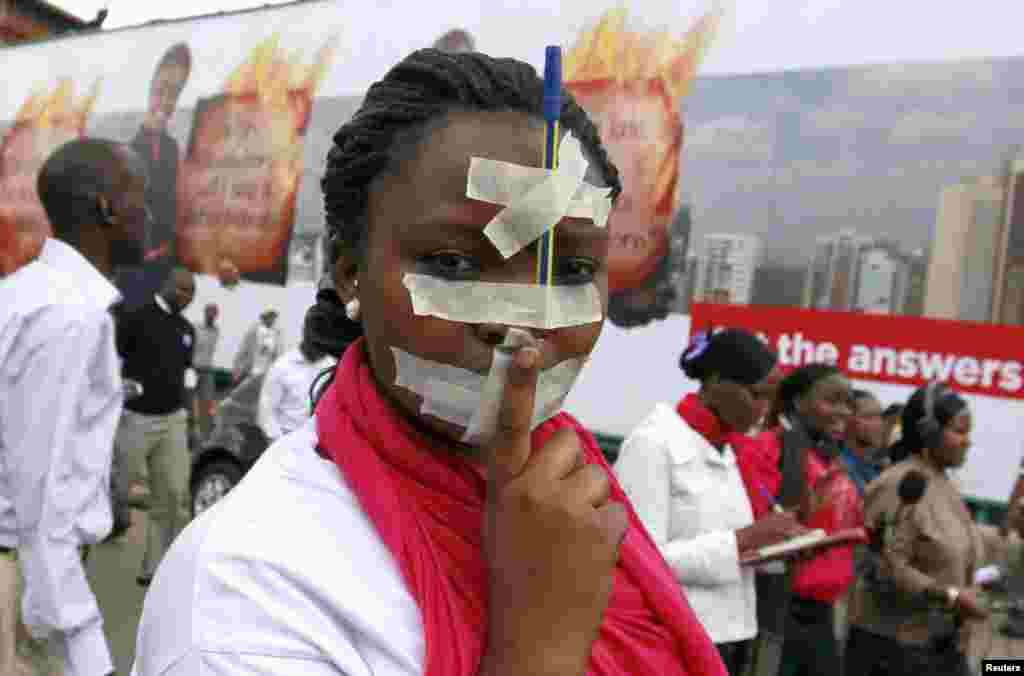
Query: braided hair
[(399, 112), (395, 118), (801, 381)]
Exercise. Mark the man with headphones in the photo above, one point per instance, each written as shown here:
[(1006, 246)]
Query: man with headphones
[(60, 376)]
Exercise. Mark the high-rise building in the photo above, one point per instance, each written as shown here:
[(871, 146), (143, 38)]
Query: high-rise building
[(917, 276), (686, 282), (728, 263), (1009, 292), (832, 279), (680, 274), (968, 238), (882, 280), (778, 284)]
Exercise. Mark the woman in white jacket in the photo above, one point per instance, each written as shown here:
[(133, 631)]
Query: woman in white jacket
[(680, 472)]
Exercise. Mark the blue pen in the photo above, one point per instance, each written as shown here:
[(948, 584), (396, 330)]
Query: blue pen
[(552, 115)]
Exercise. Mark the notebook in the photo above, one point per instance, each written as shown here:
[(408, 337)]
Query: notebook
[(816, 539)]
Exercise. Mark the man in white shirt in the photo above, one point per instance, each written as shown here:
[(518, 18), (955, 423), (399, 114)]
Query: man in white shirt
[(207, 338), (260, 348), (285, 403), (61, 396)]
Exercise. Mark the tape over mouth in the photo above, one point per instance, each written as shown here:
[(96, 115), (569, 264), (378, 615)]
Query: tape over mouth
[(471, 400), (530, 305), (536, 199)]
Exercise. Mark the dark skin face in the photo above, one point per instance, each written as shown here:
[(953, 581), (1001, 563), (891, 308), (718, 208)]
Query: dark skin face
[(866, 428), (956, 440), (180, 289), (120, 214), (765, 394), (421, 222), (827, 406), (738, 406)]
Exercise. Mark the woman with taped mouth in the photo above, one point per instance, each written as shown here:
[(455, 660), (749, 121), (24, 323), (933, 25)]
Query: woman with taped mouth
[(679, 469), (798, 465), (395, 534), (904, 619)]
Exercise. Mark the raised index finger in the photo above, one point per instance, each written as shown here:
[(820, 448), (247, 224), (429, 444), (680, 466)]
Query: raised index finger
[(507, 445)]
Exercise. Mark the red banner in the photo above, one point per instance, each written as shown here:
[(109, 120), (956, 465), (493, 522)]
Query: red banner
[(984, 359)]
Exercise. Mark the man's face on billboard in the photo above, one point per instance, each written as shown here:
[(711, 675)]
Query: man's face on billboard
[(167, 84)]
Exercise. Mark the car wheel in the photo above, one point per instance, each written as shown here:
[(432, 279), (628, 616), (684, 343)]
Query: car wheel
[(213, 483)]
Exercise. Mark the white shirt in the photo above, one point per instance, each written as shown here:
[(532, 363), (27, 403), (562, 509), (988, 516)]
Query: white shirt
[(207, 338), (60, 400), (286, 575), (285, 404), (692, 499), (266, 349)]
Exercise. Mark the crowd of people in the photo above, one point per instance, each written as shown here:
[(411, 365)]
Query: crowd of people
[(375, 537)]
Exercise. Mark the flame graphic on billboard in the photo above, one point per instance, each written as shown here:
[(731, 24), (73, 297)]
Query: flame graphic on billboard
[(58, 108), (245, 161), (271, 73), (631, 82), (611, 51), (47, 120)]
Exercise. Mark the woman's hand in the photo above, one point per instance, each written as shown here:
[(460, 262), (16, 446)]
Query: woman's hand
[(552, 541), (969, 605), (770, 529)]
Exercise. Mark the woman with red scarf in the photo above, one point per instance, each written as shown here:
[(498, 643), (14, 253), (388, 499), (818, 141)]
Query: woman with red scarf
[(679, 469), (798, 465), (382, 539)]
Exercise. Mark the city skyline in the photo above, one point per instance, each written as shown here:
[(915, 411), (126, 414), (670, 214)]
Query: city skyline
[(791, 156), (849, 272)]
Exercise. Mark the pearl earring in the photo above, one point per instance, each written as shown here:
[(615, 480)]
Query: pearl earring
[(352, 309)]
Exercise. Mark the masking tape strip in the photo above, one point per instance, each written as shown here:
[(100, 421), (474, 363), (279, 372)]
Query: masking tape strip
[(497, 182), (535, 199), (532, 305), (458, 396)]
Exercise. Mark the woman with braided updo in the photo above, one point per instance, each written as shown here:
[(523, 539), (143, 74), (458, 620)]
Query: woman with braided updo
[(679, 468), (384, 538)]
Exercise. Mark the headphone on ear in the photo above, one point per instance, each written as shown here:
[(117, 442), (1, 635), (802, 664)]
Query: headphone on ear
[(106, 213), (929, 427)]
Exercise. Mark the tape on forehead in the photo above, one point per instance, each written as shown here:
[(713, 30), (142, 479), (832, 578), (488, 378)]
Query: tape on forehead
[(536, 199), (531, 305)]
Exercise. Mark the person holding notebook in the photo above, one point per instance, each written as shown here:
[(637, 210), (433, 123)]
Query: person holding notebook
[(798, 464), (679, 469)]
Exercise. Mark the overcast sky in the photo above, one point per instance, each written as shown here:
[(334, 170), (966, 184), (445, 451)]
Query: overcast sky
[(775, 35)]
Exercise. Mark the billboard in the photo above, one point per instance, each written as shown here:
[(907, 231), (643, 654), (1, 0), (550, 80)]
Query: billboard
[(884, 189), (233, 116), (888, 356)]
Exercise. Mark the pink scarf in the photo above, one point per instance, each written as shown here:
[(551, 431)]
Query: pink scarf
[(428, 507)]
